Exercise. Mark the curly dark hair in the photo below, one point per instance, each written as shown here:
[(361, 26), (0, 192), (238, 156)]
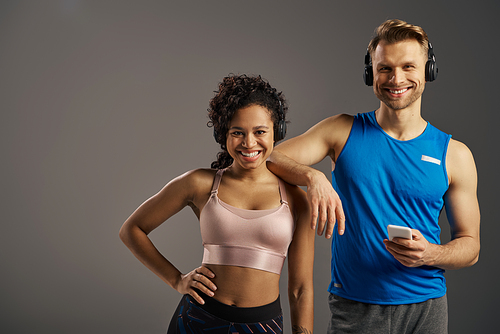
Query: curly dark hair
[(236, 92)]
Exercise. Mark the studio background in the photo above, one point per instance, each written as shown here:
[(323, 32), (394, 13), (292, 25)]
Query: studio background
[(104, 102)]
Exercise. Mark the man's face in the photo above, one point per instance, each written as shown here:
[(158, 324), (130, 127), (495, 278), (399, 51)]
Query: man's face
[(399, 73)]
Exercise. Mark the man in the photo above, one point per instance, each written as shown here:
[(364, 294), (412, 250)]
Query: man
[(391, 167)]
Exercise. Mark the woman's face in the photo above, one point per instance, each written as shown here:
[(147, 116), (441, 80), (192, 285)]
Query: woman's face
[(250, 138)]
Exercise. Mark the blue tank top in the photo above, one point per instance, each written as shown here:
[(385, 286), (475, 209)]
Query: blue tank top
[(382, 181)]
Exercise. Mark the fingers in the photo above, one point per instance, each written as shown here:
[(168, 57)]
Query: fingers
[(322, 218), (196, 297), (199, 280), (340, 219), (199, 287), (391, 248), (335, 215), (202, 282), (407, 252), (205, 271), (313, 204), (319, 215), (400, 245), (325, 214), (326, 208), (331, 219)]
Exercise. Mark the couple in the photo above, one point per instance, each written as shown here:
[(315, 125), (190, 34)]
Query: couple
[(391, 167)]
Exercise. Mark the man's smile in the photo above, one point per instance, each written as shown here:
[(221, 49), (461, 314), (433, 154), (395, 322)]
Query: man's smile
[(398, 91)]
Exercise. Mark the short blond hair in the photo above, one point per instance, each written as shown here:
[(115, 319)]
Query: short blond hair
[(393, 31)]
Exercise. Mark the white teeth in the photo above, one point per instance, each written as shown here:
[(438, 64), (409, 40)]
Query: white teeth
[(250, 155), (398, 91)]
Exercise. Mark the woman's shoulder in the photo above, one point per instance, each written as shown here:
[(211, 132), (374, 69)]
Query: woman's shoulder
[(297, 198), (194, 186), (198, 178)]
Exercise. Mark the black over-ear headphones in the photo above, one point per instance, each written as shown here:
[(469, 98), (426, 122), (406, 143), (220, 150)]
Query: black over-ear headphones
[(279, 131), (431, 70)]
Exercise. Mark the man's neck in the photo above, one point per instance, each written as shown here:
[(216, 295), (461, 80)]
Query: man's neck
[(402, 124)]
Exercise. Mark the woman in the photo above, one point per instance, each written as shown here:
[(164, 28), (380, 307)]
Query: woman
[(249, 219)]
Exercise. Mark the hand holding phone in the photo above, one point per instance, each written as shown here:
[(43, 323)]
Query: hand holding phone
[(395, 231)]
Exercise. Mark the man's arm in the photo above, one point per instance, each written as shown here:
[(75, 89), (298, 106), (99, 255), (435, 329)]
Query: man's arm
[(462, 210), (291, 160)]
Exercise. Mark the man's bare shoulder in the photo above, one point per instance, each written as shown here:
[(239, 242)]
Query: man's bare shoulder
[(337, 122), (332, 128), (334, 131), (458, 152), (459, 161)]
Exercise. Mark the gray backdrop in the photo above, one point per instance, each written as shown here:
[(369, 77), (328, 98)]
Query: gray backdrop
[(103, 102)]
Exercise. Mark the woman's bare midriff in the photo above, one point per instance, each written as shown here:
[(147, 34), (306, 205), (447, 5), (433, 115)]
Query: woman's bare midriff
[(244, 287)]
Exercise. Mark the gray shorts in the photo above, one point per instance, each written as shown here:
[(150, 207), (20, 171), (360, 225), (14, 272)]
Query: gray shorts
[(348, 316)]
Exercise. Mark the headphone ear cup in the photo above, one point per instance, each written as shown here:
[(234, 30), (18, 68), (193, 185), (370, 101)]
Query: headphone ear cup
[(428, 71), (431, 70), (280, 132), (368, 75), (216, 136)]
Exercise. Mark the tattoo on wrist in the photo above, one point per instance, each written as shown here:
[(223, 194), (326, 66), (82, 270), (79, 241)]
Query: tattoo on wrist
[(300, 330)]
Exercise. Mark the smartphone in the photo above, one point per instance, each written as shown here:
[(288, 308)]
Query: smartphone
[(398, 232)]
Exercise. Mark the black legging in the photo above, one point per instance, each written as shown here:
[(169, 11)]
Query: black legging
[(216, 317)]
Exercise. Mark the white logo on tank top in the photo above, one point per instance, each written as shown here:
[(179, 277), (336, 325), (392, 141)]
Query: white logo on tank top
[(431, 159)]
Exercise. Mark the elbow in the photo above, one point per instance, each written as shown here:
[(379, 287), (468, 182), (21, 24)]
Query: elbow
[(301, 299), (475, 259), (130, 233), (300, 292), (125, 233)]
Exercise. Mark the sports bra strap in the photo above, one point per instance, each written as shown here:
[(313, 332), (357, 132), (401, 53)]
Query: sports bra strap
[(282, 192), (217, 178)]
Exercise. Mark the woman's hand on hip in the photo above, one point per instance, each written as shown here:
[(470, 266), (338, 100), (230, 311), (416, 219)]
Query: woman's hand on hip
[(199, 279)]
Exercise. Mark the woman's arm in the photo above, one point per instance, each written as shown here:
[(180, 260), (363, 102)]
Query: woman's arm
[(300, 266), (187, 189)]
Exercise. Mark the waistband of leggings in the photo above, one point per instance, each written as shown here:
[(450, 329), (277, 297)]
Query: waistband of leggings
[(239, 314)]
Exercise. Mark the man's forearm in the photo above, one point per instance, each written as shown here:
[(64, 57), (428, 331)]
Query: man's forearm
[(458, 253), (325, 204), (291, 171)]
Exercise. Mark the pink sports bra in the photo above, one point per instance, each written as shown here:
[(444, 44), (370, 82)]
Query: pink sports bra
[(256, 239)]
